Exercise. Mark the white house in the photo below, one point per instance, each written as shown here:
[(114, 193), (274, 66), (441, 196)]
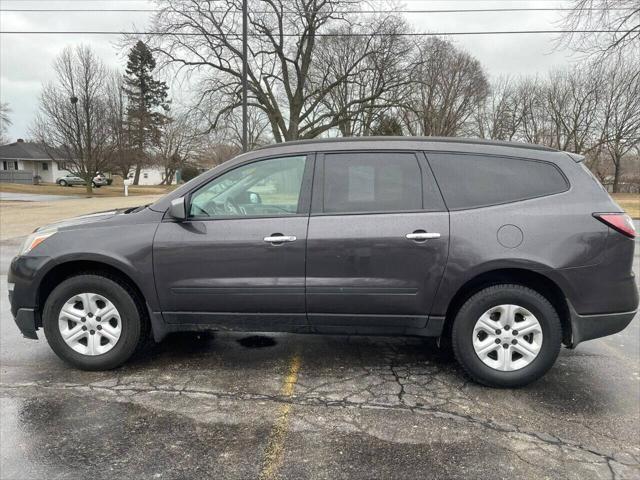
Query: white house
[(30, 156), (150, 176)]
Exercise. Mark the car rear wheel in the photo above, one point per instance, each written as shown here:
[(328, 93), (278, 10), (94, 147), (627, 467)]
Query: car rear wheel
[(506, 336), (63, 183), (93, 322)]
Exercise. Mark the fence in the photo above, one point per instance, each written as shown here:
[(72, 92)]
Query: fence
[(16, 176)]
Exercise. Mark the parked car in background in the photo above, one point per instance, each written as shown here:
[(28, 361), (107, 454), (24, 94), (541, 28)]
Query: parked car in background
[(506, 250), (70, 180)]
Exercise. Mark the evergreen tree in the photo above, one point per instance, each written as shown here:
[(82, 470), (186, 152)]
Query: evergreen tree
[(387, 126), (147, 103)]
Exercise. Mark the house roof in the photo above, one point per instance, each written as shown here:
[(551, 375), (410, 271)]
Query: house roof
[(23, 151)]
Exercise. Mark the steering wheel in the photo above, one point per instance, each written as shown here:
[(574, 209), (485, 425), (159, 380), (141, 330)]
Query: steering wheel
[(231, 207)]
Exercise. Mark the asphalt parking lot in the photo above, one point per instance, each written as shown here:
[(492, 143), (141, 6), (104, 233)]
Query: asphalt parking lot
[(292, 406)]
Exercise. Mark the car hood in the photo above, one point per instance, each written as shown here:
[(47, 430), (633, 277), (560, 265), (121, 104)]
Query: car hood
[(84, 219)]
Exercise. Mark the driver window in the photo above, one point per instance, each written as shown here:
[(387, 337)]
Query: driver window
[(268, 187)]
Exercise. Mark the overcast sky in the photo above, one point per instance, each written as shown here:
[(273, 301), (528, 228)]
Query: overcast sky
[(25, 60)]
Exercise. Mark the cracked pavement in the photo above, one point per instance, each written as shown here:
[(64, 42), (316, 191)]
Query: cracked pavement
[(205, 405)]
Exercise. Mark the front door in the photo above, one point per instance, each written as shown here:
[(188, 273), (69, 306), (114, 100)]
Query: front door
[(238, 261), (377, 244)]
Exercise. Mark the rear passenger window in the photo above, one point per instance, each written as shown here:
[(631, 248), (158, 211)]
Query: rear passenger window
[(469, 181), (371, 182)]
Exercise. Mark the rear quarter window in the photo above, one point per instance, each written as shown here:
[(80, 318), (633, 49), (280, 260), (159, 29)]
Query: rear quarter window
[(471, 181)]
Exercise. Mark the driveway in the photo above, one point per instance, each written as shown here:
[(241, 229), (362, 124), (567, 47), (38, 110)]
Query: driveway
[(293, 406)]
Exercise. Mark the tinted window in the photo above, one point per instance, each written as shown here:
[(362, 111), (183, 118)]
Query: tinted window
[(371, 182), (264, 188), (469, 181)]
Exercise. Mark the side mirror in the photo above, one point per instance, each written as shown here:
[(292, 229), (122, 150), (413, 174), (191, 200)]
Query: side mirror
[(178, 209)]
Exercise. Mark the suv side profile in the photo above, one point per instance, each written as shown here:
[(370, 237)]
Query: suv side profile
[(506, 250)]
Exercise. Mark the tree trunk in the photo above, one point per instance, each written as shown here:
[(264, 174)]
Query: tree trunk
[(136, 177), (168, 176), (616, 177), (89, 185), (124, 171)]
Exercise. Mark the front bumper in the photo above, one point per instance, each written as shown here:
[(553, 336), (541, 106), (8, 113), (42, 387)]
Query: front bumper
[(27, 322), (588, 327), (24, 277)]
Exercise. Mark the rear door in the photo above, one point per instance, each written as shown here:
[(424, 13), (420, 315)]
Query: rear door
[(377, 242)]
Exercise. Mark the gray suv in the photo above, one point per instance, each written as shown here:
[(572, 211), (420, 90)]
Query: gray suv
[(503, 250)]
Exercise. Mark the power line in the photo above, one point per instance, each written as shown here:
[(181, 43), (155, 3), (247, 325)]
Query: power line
[(348, 1), (464, 10), (232, 34)]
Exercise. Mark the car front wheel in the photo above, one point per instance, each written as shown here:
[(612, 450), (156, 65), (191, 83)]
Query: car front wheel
[(63, 183), (93, 322), (506, 336)]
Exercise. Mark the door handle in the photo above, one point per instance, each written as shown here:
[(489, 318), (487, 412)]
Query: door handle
[(279, 238), (419, 236)]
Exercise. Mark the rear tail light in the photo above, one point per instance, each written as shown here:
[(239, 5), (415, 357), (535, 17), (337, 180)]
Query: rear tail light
[(620, 222)]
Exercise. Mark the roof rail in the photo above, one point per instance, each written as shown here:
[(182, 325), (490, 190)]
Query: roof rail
[(461, 140)]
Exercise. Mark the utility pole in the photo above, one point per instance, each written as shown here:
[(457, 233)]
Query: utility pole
[(244, 76)]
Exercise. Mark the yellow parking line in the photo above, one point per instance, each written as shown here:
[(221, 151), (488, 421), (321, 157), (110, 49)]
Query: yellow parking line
[(273, 453)]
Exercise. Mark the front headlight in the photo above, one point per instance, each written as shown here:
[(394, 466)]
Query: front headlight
[(35, 239)]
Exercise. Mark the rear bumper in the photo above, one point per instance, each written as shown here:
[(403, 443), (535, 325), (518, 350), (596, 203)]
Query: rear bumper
[(588, 327)]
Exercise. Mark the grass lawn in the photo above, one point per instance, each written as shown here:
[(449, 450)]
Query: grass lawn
[(630, 202), (80, 190)]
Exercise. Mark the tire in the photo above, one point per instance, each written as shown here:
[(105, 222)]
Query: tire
[(130, 318), (62, 183), (510, 368)]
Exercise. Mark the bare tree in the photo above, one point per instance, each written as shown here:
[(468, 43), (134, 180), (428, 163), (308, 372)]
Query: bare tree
[(202, 37), (73, 108), (448, 86), (501, 115), (618, 21), (5, 121), (572, 99), (178, 141), (367, 68), (213, 151), (621, 112)]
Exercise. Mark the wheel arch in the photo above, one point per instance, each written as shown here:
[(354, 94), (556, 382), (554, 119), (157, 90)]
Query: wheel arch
[(519, 276), (68, 269)]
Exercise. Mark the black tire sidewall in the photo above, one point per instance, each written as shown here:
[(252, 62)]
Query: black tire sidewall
[(116, 294), (462, 335)]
